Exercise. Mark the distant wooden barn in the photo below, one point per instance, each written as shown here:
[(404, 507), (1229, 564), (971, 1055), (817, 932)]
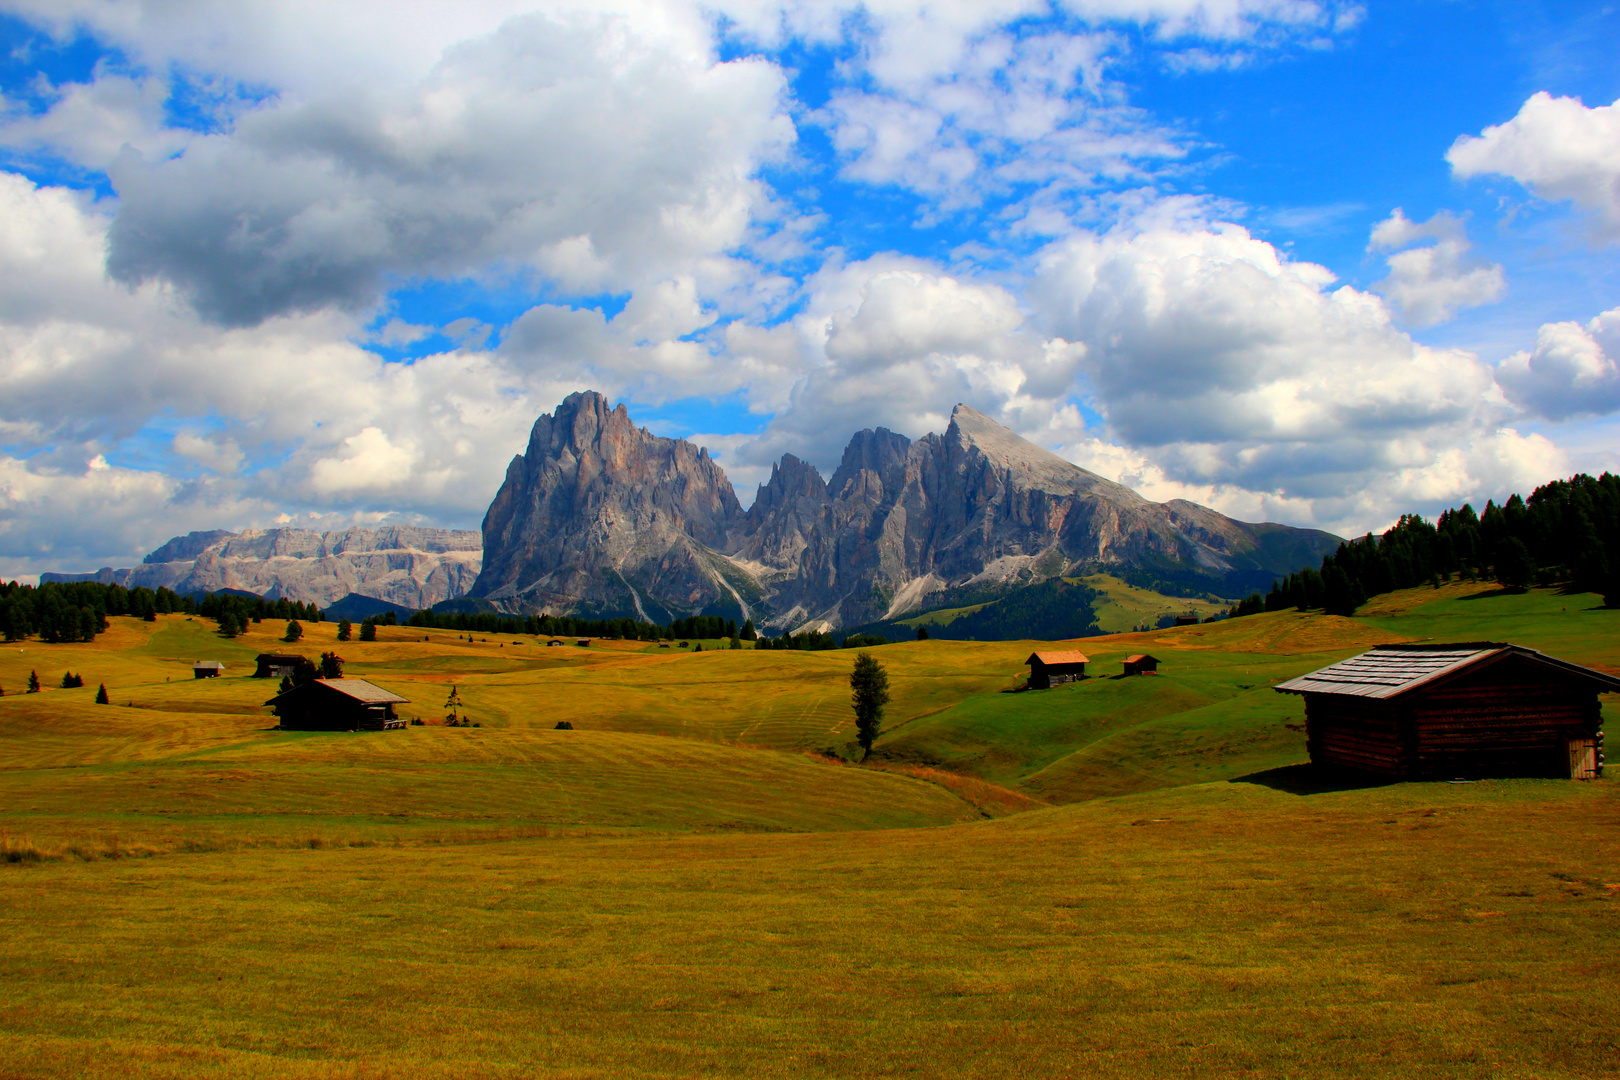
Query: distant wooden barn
[(1189, 619), (338, 705), (207, 669), (1469, 710), (276, 665), (1141, 664), (1049, 669)]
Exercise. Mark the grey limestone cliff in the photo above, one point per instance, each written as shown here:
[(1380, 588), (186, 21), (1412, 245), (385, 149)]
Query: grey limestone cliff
[(598, 516), (402, 564)]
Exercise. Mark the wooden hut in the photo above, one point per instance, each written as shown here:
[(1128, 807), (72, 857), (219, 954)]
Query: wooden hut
[(276, 665), (1189, 619), (1462, 710), (1049, 669), (207, 669), (1141, 664), (337, 705)]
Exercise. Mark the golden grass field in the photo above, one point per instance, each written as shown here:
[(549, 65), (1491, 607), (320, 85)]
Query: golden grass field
[(1122, 877)]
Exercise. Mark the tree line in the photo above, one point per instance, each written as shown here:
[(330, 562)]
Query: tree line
[(1567, 532), (68, 611)]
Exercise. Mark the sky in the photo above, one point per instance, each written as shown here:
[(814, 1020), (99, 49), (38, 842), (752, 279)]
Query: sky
[(312, 264)]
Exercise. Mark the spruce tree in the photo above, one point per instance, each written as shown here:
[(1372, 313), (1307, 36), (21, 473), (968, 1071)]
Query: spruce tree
[(922, 632), (295, 630), (33, 682), (869, 693), (345, 630), (101, 695), (368, 631)]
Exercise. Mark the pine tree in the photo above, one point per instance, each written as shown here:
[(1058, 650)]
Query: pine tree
[(451, 705), (33, 682), (67, 681), (748, 631), (101, 695), (869, 693), (736, 643), (345, 630), (295, 630), (331, 665), (922, 632), (368, 631)]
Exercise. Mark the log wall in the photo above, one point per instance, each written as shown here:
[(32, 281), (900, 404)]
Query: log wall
[(1357, 733), (1508, 719)]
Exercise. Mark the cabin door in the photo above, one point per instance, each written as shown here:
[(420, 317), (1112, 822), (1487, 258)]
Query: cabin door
[(1582, 757)]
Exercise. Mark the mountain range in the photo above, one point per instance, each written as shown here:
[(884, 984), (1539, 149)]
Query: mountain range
[(600, 517), (401, 564)]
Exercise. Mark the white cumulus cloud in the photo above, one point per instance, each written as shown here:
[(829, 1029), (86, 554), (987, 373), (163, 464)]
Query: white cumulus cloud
[(1558, 148), (1572, 371), (1430, 282)]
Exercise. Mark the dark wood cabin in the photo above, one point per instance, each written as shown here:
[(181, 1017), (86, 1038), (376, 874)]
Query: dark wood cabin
[(1466, 710), (207, 669), (1141, 664), (1049, 669), (337, 705), (1189, 619), (276, 665)]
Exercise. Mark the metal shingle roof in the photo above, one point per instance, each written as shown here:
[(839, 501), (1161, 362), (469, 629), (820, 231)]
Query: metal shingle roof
[(1070, 657), (358, 689), (1391, 670), (361, 690)]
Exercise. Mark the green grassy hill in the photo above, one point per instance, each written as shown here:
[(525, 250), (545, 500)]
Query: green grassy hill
[(676, 888)]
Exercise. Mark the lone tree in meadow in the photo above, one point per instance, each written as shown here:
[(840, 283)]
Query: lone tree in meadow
[(101, 695), (869, 692), (295, 630), (33, 682), (345, 629)]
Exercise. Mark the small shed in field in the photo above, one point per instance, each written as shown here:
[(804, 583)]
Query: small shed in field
[(338, 705), (553, 643), (584, 643), (1141, 664), (276, 665), (1470, 709), (1049, 669), (207, 669), (1188, 619)]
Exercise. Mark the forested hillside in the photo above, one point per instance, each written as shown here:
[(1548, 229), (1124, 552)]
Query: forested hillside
[(1567, 532)]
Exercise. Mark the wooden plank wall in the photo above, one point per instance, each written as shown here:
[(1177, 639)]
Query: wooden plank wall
[(1512, 718), (1356, 733)]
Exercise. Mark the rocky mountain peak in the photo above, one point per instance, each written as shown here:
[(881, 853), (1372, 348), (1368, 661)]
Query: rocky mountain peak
[(878, 451), (791, 479), (1035, 466)]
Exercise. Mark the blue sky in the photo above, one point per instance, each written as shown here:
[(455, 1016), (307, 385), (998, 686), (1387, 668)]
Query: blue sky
[(1310, 261)]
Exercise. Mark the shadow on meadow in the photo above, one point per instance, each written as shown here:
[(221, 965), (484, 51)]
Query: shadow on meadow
[(1308, 779)]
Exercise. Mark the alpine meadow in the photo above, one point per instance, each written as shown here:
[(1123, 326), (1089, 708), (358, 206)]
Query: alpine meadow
[(763, 539)]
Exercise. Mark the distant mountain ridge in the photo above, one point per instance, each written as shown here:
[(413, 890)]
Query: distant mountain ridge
[(404, 565), (600, 517)]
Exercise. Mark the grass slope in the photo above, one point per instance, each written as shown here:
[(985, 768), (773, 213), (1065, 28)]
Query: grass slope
[(1222, 929), (675, 890)]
